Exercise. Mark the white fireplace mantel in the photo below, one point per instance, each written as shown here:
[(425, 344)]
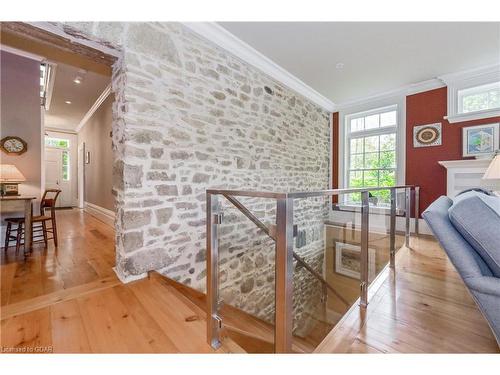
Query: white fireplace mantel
[(466, 174)]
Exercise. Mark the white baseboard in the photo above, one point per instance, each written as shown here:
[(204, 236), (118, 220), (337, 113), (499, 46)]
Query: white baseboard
[(100, 213)]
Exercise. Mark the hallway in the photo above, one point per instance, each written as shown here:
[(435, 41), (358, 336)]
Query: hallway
[(69, 300), (85, 254)]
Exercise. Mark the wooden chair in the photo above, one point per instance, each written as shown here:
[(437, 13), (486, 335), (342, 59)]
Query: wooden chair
[(40, 230)]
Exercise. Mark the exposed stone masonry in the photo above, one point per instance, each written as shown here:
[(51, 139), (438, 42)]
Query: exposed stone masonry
[(189, 116)]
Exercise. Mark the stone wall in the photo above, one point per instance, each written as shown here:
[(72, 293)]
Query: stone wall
[(189, 116)]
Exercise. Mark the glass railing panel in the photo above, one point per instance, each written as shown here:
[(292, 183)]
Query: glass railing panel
[(327, 286), (246, 274)]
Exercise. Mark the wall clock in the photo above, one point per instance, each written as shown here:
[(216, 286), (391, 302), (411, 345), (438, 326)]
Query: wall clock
[(13, 145)]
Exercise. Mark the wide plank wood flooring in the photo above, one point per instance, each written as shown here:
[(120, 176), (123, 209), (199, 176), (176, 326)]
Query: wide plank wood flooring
[(423, 307), (86, 253), (69, 300)]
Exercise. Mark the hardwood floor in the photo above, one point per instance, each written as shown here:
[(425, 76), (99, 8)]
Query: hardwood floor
[(69, 300), (423, 307), (85, 254)]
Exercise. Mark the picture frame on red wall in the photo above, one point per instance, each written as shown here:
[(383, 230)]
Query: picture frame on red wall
[(480, 140)]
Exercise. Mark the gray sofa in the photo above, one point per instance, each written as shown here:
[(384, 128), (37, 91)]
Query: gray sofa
[(468, 229)]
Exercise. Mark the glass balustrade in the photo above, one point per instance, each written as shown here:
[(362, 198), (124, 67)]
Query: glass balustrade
[(284, 268)]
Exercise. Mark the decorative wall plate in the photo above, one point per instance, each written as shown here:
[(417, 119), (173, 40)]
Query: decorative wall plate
[(13, 145), (427, 135)]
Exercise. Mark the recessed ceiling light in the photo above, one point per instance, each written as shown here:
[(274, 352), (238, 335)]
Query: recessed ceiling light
[(68, 102), (78, 80), (339, 65)]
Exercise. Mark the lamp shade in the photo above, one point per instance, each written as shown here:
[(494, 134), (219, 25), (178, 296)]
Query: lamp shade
[(493, 171), (9, 173)]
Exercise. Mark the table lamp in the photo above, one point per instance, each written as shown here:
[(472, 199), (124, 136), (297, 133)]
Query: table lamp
[(493, 171), (10, 177)]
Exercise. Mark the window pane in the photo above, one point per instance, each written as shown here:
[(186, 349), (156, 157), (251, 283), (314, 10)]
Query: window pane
[(387, 177), (357, 161), (357, 145), (387, 159), (355, 179), (371, 178), (372, 122), (388, 118), (371, 160), (477, 102), (479, 98), (357, 124), (56, 142), (65, 165), (387, 142), (494, 99), (371, 143)]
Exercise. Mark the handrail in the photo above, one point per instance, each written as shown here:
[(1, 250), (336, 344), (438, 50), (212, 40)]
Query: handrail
[(283, 234), (298, 258), (300, 194)]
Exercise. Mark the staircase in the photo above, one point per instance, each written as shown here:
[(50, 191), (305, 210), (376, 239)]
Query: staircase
[(243, 332)]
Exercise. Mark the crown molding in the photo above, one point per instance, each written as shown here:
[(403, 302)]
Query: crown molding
[(487, 71), (59, 130), (411, 89), (224, 39), (428, 85), (94, 108)]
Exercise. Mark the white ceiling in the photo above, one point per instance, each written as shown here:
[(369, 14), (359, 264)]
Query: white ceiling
[(82, 96), (376, 57)]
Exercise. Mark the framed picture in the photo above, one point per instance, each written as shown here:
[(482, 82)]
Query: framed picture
[(427, 135), (480, 140), (348, 261)]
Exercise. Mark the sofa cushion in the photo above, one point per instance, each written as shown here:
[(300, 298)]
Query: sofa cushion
[(477, 217)]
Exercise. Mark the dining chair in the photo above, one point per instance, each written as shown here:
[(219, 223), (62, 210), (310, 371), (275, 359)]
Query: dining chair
[(40, 228)]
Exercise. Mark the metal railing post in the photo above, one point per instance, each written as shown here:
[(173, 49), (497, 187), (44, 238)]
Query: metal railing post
[(408, 215), (364, 248), (284, 276), (417, 208), (214, 323), (392, 245)]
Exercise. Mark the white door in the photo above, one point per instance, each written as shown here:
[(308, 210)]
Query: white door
[(57, 174)]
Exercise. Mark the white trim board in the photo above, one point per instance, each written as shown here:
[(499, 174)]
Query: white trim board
[(104, 95), (411, 89), (100, 213), (224, 39), (19, 52)]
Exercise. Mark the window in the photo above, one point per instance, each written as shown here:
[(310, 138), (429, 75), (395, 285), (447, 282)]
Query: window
[(56, 142), (473, 94), (371, 158), (65, 165), (479, 98)]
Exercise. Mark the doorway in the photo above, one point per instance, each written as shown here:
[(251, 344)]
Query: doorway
[(58, 169)]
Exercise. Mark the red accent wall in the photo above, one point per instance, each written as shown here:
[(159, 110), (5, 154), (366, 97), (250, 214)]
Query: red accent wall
[(422, 166)]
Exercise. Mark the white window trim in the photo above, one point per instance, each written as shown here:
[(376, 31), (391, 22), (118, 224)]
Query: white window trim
[(367, 107), (466, 80)]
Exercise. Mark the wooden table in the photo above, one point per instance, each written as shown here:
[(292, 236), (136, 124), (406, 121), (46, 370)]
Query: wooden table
[(28, 213)]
